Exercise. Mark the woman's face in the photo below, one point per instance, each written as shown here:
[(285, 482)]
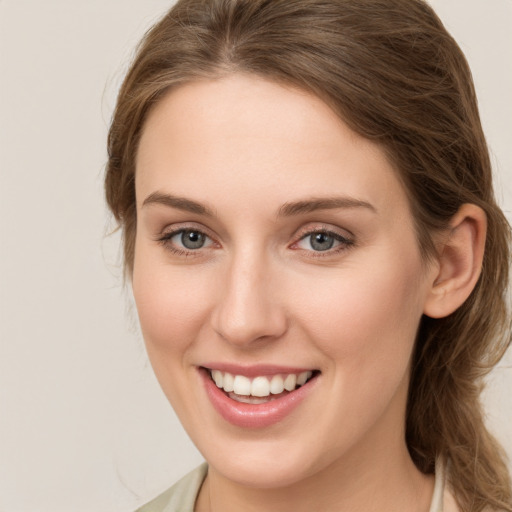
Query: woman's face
[(275, 244)]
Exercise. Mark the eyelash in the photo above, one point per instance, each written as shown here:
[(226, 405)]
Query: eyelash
[(344, 243), (166, 238)]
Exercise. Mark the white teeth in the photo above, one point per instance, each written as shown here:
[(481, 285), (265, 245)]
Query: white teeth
[(259, 387), (218, 378), (249, 399), (242, 385), (290, 382), (276, 385), (302, 378), (228, 382)]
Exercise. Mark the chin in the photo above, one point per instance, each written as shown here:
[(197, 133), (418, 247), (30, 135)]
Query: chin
[(270, 473), (266, 462)]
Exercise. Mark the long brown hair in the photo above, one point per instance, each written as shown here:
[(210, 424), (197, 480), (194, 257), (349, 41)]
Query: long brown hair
[(391, 71)]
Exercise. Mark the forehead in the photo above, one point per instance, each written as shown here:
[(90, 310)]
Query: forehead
[(240, 135)]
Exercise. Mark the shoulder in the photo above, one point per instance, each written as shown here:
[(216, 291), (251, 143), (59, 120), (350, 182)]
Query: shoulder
[(181, 497)]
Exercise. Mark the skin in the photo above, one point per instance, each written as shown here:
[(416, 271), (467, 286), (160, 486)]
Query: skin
[(257, 292)]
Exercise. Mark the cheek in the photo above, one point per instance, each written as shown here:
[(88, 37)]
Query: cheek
[(171, 308), (365, 323), (366, 318), (170, 303)]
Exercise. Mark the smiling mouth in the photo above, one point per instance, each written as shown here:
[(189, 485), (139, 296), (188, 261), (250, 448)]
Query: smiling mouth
[(260, 389)]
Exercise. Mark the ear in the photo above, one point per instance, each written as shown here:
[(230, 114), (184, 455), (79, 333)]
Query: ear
[(459, 261)]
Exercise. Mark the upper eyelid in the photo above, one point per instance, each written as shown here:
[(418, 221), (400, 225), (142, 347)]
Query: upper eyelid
[(322, 228), (179, 227)]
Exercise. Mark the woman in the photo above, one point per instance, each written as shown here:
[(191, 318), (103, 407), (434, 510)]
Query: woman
[(317, 258)]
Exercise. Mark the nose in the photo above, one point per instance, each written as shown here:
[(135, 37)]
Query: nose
[(249, 309)]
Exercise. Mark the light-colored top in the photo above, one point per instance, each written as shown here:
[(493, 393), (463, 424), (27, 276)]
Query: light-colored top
[(181, 497), (442, 498)]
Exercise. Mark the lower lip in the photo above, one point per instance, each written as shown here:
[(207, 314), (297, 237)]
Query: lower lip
[(254, 415)]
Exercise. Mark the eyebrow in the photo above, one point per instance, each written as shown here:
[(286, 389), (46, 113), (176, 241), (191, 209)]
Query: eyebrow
[(286, 210), (314, 204), (180, 203)]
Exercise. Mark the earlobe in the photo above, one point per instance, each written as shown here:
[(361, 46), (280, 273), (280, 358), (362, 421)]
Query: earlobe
[(460, 255)]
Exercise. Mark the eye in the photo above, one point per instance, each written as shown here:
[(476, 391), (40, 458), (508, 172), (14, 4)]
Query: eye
[(186, 240), (320, 241), (323, 241), (191, 239)]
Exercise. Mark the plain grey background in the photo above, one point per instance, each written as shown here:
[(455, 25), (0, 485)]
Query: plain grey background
[(83, 423)]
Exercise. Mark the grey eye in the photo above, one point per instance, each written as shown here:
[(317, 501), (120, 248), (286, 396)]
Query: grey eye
[(321, 241), (191, 239)]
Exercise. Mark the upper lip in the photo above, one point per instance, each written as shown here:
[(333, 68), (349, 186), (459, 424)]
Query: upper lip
[(256, 370)]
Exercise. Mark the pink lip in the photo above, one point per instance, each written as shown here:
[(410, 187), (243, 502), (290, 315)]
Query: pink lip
[(254, 415)]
